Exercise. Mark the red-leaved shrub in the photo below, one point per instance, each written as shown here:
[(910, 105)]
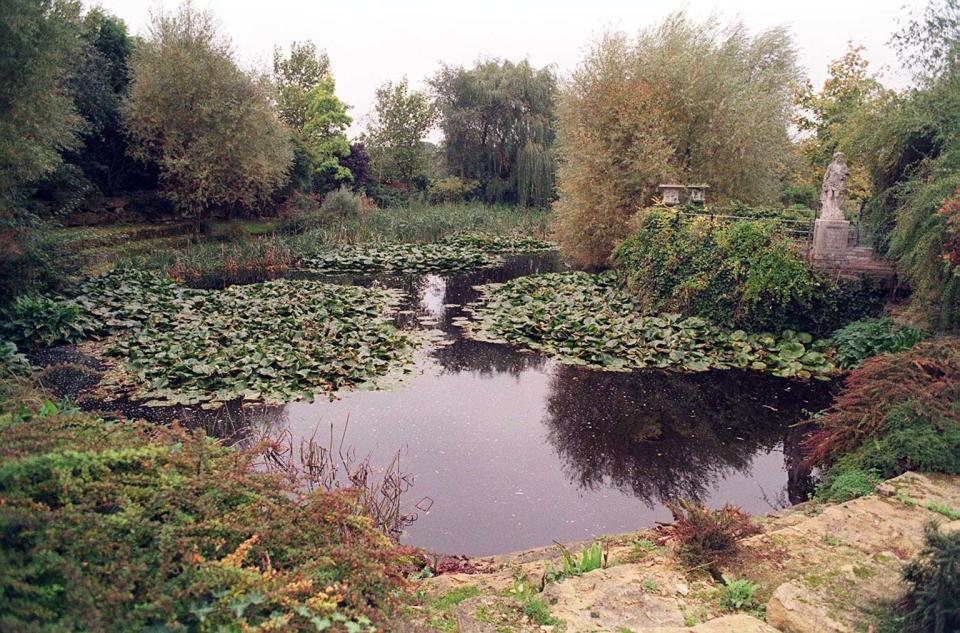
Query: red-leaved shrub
[(925, 377)]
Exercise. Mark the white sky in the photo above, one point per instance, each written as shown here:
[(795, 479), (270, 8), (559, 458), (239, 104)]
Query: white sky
[(371, 41)]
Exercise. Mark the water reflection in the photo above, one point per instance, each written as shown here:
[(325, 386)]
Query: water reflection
[(516, 450), (660, 436)]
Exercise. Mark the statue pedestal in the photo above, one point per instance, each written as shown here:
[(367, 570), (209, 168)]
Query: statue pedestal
[(830, 238)]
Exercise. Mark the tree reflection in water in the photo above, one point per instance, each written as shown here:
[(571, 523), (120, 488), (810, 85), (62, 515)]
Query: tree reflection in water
[(660, 436)]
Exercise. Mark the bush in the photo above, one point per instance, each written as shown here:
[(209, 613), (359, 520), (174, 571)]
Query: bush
[(12, 362), (341, 203), (845, 482), (932, 603), (197, 539), (862, 339), (30, 260), (708, 538), (42, 321), (746, 274), (452, 189), (895, 399)]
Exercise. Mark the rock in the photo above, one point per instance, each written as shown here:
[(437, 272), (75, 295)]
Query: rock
[(794, 609), (738, 623), (611, 599), (681, 588)]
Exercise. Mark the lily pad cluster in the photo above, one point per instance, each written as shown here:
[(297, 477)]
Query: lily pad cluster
[(588, 320), (499, 244), (274, 341), (399, 258)]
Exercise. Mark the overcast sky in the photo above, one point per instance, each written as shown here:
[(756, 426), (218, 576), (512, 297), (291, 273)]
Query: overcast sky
[(371, 41)]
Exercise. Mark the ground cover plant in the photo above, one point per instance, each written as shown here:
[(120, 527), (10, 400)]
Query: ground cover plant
[(748, 273), (589, 320), (862, 339), (399, 258), (196, 539), (897, 412)]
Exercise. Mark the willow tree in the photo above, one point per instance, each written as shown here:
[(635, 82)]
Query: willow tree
[(498, 120), (716, 104), (208, 126)]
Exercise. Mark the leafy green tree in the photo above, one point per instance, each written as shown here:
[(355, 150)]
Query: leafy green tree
[(498, 120), (38, 119), (393, 138), (210, 127), (324, 132), (296, 75), (829, 117)]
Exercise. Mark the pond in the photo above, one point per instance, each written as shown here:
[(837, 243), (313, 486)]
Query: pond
[(515, 450)]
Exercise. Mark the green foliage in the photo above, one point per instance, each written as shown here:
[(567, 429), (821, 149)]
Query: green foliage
[(295, 76), (197, 539), (498, 120), (910, 142), (324, 132), (32, 259), (862, 339), (342, 203), (394, 136), (399, 258), (274, 341), (844, 482), (12, 362), (942, 508), (932, 604), (538, 611), (489, 243), (309, 233), (38, 119), (895, 413), (208, 126), (831, 115), (738, 595), (452, 189), (588, 320), (591, 558), (747, 273), (43, 321), (908, 439), (708, 538), (665, 107)]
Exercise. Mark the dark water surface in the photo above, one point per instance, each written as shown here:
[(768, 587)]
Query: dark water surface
[(516, 451)]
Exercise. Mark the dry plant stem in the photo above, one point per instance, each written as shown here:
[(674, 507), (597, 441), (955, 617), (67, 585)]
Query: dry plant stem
[(336, 467)]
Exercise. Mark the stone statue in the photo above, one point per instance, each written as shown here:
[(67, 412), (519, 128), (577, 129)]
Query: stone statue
[(834, 186)]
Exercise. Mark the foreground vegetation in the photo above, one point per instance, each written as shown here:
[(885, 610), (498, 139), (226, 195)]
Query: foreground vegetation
[(198, 540)]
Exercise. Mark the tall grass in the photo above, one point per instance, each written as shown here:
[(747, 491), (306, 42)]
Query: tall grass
[(264, 256)]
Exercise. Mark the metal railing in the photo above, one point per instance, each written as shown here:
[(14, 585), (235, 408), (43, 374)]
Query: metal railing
[(800, 230)]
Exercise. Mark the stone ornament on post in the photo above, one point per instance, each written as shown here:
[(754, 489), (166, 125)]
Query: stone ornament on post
[(671, 194), (831, 231), (698, 194)]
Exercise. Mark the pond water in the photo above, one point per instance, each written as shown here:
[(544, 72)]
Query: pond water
[(515, 450)]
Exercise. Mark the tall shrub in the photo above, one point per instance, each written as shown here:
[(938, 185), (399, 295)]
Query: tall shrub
[(695, 102), (746, 274)]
